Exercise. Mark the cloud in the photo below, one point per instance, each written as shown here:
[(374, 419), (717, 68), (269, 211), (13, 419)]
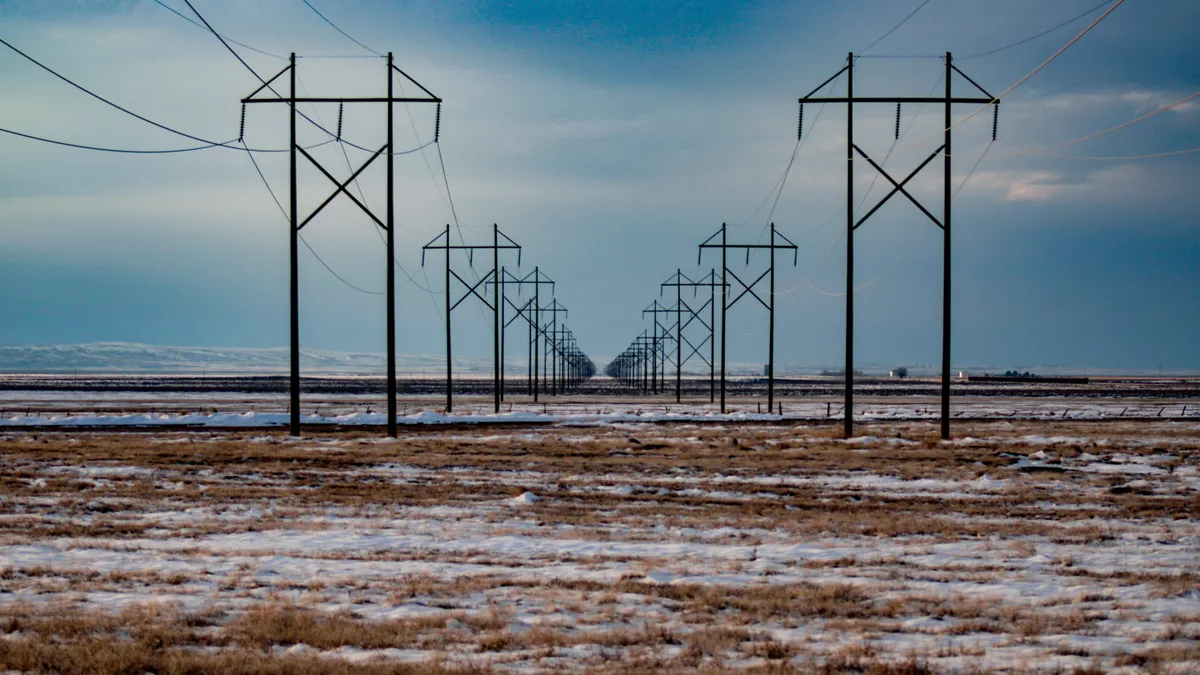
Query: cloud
[(1120, 185), (1135, 100)]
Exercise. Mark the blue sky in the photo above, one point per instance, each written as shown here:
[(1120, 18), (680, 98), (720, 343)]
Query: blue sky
[(610, 138)]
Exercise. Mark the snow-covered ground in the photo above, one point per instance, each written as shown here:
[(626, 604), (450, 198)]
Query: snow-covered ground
[(351, 412), (1019, 546)]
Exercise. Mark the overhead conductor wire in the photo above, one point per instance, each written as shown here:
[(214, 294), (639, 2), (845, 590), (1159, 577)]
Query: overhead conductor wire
[(288, 218), (893, 29), (1031, 38), (421, 147), (778, 193), (1021, 81), (1111, 129), (266, 84), (192, 21), (448, 197)]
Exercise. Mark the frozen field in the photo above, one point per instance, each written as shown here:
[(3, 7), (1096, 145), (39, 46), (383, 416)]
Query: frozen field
[(1023, 546)]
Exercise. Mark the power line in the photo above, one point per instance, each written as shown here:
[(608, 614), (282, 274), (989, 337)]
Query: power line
[(335, 27), (1109, 130), (208, 143), (800, 142), (896, 27), (453, 210), (1153, 155), (100, 98), (116, 150), (363, 195), (407, 110), (283, 211), (1021, 81), (1034, 37), (265, 83), (973, 168), (192, 21)]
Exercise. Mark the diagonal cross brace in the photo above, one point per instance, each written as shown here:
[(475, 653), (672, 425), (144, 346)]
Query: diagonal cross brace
[(470, 291), (749, 288), (899, 187), (341, 187), (695, 315), (696, 349), (520, 311)]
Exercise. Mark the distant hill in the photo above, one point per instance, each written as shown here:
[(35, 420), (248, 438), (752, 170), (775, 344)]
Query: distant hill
[(134, 358), (117, 358)]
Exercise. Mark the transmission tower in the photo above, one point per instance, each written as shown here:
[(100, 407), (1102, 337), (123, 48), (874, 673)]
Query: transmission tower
[(537, 280), (297, 224), (748, 289), (680, 281), (947, 101), (550, 349), (473, 289), (660, 335)]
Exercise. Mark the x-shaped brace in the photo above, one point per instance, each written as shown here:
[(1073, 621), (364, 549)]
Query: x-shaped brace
[(899, 187), (341, 187), (695, 315), (749, 288), (520, 311), (696, 349), (471, 291)]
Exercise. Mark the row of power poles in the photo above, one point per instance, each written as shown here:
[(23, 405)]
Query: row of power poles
[(550, 345), (680, 332), (564, 365), (644, 364)]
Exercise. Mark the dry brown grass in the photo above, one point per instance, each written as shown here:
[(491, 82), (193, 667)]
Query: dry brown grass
[(765, 489)]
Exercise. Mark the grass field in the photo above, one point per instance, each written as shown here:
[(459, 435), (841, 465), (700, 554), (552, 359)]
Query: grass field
[(612, 548)]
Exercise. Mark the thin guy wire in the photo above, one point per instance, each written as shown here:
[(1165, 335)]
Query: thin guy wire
[(1153, 155), (904, 254), (1021, 81), (192, 21), (862, 202), (417, 135), (362, 194), (288, 218), (896, 27), (335, 27), (972, 171), (1033, 37), (260, 79), (1106, 131), (787, 171)]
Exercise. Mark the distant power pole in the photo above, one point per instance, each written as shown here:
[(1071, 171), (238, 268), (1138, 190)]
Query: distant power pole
[(680, 281), (473, 289), (551, 349), (748, 289), (528, 312), (658, 367), (947, 101), (297, 224)]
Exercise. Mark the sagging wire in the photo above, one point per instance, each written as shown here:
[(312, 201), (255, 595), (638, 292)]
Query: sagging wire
[(1021, 81), (363, 196), (304, 241), (904, 254)]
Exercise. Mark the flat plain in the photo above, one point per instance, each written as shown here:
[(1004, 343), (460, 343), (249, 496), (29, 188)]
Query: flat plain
[(1020, 546)]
